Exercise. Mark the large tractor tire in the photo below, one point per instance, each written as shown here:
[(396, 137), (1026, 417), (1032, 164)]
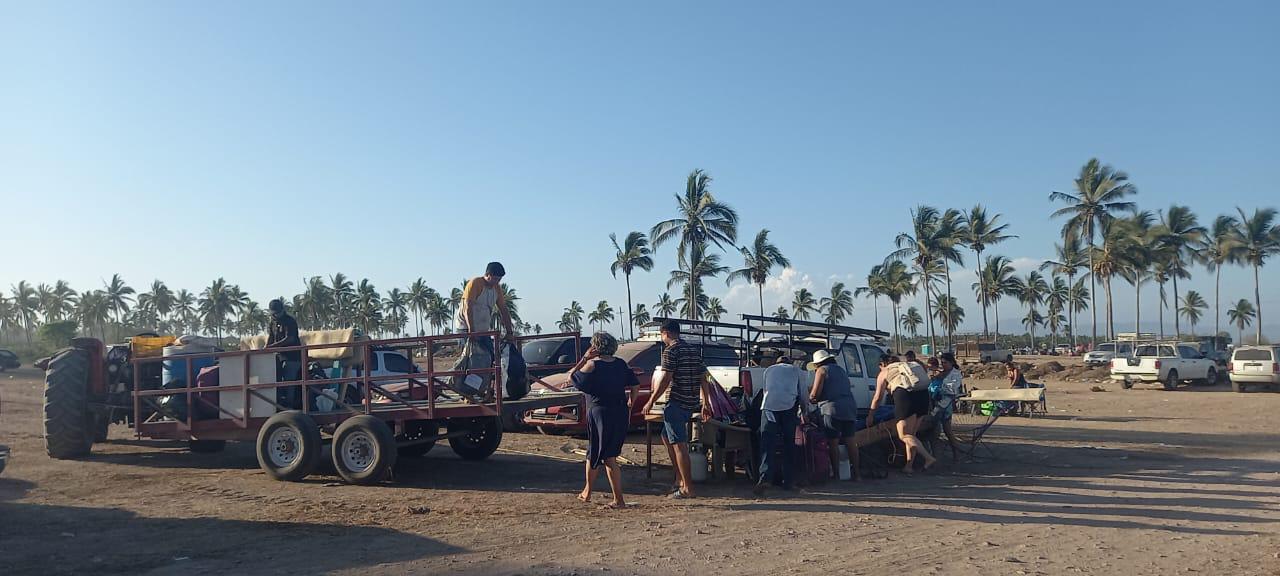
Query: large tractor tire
[(68, 424), (482, 437)]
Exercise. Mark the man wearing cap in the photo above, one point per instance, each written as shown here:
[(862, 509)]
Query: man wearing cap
[(282, 332)]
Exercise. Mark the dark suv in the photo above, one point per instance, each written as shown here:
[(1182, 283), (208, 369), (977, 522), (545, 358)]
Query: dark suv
[(8, 360), (542, 356)]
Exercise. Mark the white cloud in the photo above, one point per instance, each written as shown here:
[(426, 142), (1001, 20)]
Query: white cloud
[(778, 291)]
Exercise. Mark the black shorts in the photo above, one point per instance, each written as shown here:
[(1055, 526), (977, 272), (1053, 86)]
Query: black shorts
[(836, 428), (910, 403)]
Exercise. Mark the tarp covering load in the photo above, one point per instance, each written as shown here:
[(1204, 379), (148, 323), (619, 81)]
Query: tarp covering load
[(316, 337)]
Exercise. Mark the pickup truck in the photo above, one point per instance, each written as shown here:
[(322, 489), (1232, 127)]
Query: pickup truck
[(1168, 364), (1105, 353), (860, 358)]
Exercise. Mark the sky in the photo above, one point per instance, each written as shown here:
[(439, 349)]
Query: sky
[(269, 142)]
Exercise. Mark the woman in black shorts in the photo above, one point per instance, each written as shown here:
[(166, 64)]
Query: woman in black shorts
[(909, 406)]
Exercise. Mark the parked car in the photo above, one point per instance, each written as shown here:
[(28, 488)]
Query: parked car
[(1105, 353), (8, 360), (644, 358), (991, 352), (1167, 363), (546, 356), (1255, 366)]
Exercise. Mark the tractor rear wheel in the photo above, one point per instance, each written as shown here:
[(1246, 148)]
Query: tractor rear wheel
[(68, 424)]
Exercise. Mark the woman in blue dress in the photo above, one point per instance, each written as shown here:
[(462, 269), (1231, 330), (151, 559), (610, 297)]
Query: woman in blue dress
[(609, 385)]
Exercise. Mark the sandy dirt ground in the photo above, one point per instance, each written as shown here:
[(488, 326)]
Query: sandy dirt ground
[(1116, 482)]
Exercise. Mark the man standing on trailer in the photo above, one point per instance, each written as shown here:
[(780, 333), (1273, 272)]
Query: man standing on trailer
[(686, 374), (481, 296), (283, 333)]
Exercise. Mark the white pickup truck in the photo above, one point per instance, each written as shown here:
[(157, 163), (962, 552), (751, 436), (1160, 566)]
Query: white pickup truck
[(860, 358), (1166, 363)]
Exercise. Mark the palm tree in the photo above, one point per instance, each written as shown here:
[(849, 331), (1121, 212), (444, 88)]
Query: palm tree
[(1078, 300), (184, 308), (1257, 238), (954, 230), (715, 309), (948, 312), (1056, 300), (573, 313), (93, 309), (930, 244), (26, 303), (1215, 250), (216, 303), (640, 316), (707, 267), (1192, 307), (1099, 195), (781, 313), (420, 297), (367, 306), (702, 219), (1030, 321), (1031, 292), (1141, 248), (343, 292), (838, 306), (980, 232), (510, 301), (803, 304), (1111, 259), (1070, 259), (997, 282), (1180, 233), (632, 254), (1054, 321), (898, 283), (396, 306), (665, 306), (911, 320), (119, 295), (1242, 314), (758, 261), (603, 314), (874, 289)]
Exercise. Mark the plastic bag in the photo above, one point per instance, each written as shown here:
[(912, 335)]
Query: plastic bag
[(516, 383)]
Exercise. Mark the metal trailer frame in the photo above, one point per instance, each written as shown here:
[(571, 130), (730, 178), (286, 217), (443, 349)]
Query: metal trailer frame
[(397, 408)]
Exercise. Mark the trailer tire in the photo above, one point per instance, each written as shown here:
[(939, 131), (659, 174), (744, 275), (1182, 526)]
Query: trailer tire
[(289, 446), (364, 449), (482, 438), (1171, 381), (68, 424), (416, 430), (206, 446)]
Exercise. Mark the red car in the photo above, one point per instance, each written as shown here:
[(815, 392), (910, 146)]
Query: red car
[(643, 357)]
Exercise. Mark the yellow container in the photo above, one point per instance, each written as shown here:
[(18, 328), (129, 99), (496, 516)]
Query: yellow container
[(149, 346)]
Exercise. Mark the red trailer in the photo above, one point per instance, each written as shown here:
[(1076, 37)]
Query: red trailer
[(369, 418)]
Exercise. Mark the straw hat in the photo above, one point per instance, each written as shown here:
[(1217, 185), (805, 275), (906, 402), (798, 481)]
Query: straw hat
[(819, 358)]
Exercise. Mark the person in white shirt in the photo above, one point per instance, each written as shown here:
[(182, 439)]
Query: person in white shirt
[(952, 387), (779, 413)]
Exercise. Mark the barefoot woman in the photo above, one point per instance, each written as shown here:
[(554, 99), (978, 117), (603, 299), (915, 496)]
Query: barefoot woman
[(609, 385)]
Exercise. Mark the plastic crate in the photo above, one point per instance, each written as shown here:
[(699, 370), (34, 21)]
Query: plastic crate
[(149, 346)]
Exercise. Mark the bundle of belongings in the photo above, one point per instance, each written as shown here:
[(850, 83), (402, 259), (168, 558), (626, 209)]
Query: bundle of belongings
[(477, 354)]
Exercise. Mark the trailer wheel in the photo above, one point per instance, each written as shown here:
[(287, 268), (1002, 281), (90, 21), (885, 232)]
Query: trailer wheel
[(482, 438), (68, 424), (1171, 381), (364, 449), (417, 430), (289, 446), (206, 446)]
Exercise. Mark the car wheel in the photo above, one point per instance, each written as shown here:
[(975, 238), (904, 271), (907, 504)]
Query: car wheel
[(1211, 378), (1171, 381), (1237, 387)]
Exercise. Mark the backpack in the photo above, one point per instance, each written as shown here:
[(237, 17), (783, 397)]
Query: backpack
[(912, 376)]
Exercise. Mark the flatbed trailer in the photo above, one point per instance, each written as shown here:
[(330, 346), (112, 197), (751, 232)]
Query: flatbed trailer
[(369, 420)]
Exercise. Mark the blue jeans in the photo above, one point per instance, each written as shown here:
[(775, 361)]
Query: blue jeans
[(777, 427), (675, 423)]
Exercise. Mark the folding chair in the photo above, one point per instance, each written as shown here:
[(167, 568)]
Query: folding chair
[(969, 426)]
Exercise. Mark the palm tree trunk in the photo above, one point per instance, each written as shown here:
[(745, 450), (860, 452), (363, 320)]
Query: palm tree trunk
[(1161, 313), (1177, 326), (946, 267), (995, 307), (631, 317), (1111, 316), (760, 290), (1093, 295), (982, 295), (1217, 285), (928, 311), (1257, 303), (1137, 306), (875, 310)]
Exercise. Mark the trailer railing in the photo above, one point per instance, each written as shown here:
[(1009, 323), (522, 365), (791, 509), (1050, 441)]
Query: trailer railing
[(391, 404)]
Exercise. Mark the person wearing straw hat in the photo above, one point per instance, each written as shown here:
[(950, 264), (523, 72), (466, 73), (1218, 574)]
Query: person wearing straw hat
[(833, 393)]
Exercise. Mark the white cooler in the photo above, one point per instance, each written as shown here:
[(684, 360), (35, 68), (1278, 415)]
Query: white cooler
[(262, 370)]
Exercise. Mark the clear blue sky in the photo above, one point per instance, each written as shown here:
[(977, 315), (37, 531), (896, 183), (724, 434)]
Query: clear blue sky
[(267, 142)]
